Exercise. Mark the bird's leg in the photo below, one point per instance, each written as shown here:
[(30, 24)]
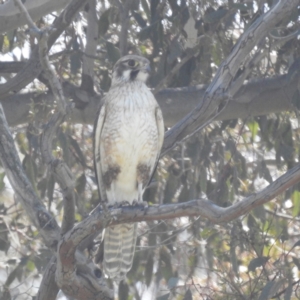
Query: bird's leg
[(123, 203), (140, 192), (140, 202), (113, 203)]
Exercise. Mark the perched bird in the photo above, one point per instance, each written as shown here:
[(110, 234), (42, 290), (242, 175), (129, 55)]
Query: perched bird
[(128, 137)]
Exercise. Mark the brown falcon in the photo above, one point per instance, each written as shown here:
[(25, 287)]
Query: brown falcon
[(128, 137)]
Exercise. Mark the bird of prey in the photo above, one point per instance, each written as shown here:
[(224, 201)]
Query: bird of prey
[(128, 137)]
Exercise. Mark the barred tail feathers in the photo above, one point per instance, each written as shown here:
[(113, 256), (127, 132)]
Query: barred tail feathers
[(119, 248)]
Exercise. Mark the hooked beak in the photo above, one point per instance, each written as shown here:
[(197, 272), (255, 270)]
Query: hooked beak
[(147, 69)]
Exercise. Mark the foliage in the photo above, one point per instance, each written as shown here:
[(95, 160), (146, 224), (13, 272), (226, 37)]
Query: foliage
[(254, 257)]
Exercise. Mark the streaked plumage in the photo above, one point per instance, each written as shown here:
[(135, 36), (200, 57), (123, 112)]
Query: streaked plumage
[(128, 137)]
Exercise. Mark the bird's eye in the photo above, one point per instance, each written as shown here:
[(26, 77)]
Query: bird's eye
[(132, 63)]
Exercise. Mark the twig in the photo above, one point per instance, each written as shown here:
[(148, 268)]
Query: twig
[(33, 68), (59, 168), (87, 81), (33, 206), (226, 73), (192, 52), (23, 10), (98, 220)]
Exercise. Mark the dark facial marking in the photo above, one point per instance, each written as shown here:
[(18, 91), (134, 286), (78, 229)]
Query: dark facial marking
[(133, 74), (110, 175)]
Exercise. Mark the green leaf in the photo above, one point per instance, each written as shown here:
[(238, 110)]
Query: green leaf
[(77, 149), (80, 184), (215, 16), (1, 42), (113, 53), (42, 187), (65, 146), (253, 127), (105, 81), (188, 295), (30, 169), (75, 58), (241, 6), (296, 99), (50, 188), (30, 265), (123, 290), (4, 240), (2, 184), (139, 19), (166, 265), (233, 257), (288, 292), (257, 262), (103, 23), (270, 289), (296, 203), (22, 142), (203, 179), (296, 262), (149, 269), (164, 297), (146, 32)]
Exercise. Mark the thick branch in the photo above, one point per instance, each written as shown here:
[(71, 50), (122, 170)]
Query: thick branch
[(60, 169), (11, 18), (98, 220), (23, 189), (255, 98), (33, 67), (79, 277), (213, 98)]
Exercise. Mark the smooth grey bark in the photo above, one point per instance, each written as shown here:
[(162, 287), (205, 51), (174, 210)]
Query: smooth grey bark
[(255, 98), (227, 80)]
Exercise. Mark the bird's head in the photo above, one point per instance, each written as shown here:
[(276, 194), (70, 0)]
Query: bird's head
[(131, 68)]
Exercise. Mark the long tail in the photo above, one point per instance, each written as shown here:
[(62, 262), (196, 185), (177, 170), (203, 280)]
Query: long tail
[(119, 247)]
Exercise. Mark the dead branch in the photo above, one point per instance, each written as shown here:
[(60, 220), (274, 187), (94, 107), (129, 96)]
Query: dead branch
[(213, 99), (36, 211), (87, 81), (33, 67), (48, 287)]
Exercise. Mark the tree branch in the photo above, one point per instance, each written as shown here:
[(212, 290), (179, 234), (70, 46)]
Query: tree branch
[(10, 17), (33, 67), (78, 277), (254, 98), (87, 81), (213, 100), (60, 169), (98, 220), (23, 189)]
